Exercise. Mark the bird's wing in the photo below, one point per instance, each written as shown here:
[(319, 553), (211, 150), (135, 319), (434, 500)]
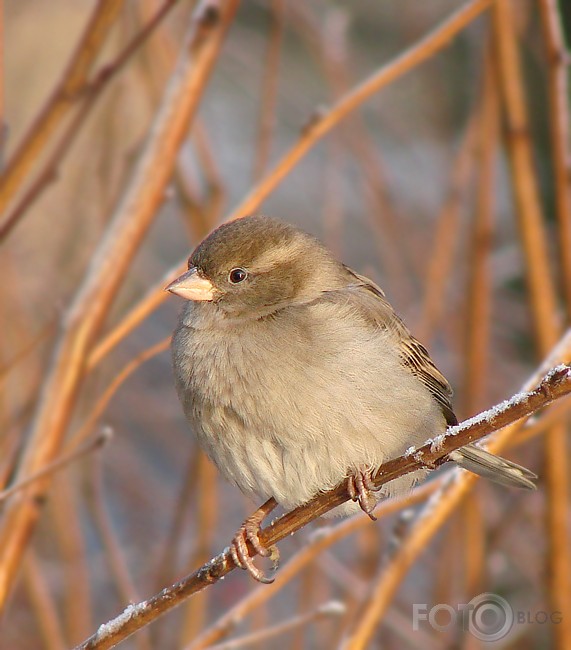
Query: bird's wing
[(373, 303)]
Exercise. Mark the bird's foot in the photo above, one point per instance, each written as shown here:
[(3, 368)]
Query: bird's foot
[(360, 487), (249, 532)]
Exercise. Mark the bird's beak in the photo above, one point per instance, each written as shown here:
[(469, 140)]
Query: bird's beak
[(191, 286)]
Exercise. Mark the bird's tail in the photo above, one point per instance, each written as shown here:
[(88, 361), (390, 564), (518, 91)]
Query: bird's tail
[(497, 469)]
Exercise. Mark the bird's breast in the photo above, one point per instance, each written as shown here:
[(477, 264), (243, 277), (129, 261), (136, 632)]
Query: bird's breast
[(254, 375), (286, 411)]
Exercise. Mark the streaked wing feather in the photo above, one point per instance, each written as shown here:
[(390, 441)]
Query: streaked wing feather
[(414, 355)]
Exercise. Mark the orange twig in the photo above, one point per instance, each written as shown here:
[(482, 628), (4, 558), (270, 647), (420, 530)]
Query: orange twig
[(441, 257), (322, 124), (554, 385), (558, 60), (317, 544), (436, 514), (269, 89), (331, 608), (119, 379), (88, 93), (207, 513), (43, 604), (113, 550), (76, 594), (123, 238), (529, 210), (543, 302), (412, 57), (58, 464), (478, 313), (63, 99)]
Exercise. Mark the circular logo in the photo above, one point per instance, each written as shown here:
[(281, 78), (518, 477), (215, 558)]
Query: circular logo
[(491, 617)]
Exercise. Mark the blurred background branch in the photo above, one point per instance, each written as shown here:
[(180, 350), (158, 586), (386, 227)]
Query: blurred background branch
[(506, 417), (426, 143)]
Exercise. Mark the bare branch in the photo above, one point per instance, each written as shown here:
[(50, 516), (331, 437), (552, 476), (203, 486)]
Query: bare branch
[(543, 297), (433, 453), (396, 68), (63, 98), (96, 442), (88, 92), (131, 221)]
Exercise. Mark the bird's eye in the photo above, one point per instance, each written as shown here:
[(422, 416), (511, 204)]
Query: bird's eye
[(237, 275)]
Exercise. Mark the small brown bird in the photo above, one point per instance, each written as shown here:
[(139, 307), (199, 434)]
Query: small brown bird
[(295, 374)]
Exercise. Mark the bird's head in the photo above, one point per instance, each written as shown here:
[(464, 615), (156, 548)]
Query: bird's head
[(257, 265)]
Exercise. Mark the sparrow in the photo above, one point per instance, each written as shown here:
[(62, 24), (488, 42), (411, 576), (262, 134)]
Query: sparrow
[(295, 374)]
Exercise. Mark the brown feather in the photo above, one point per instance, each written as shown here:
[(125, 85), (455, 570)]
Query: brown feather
[(414, 355)]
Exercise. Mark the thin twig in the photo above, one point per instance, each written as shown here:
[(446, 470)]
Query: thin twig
[(87, 447), (153, 298), (408, 60), (74, 592), (113, 550), (553, 386), (88, 93), (474, 546), (43, 604), (269, 89), (168, 554), (525, 182), (62, 100), (558, 60), (332, 608), (386, 225), (123, 238), (478, 312), (118, 380), (29, 347), (326, 120), (435, 514), (207, 514), (543, 302), (442, 254), (317, 543)]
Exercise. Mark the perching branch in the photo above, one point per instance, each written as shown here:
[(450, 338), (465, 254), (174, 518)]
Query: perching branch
[(554, 385), (437, 511)]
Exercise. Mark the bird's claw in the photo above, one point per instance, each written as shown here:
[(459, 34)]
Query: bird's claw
[(249, 532), (360, 487)]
